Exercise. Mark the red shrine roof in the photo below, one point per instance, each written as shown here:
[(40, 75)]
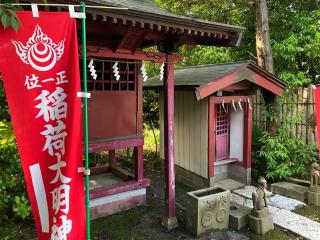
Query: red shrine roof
[(143, 14)]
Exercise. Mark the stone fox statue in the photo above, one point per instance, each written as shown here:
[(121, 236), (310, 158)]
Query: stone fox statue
[(259, 198), (315, 169)]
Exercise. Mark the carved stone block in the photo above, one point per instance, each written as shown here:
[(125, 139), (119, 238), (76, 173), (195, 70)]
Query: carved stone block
[(207, 210)]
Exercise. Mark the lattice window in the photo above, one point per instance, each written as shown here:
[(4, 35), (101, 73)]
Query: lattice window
[(222, 120), (106, 80)]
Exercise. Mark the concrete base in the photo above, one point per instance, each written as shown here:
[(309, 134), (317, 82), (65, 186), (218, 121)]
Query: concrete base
[(190, 179), (240, 173), (314, 198), (290, 190), (170, 223), (238, 217), (228, 184), (104, 206), (260, 222), (226, 169)]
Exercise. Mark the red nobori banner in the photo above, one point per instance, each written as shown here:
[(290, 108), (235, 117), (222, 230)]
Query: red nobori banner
[(317, 109), (40, 71)]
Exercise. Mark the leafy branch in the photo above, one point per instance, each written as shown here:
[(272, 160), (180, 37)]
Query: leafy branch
[(9, 17)]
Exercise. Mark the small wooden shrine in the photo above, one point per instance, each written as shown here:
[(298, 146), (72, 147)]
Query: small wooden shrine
[(213, 120), (118, 37)]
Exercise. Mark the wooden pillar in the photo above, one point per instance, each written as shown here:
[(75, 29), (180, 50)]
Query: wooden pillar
[(169, 220), (247, 136), (139, 163), (139, 149), (211, 137), (112, 156)]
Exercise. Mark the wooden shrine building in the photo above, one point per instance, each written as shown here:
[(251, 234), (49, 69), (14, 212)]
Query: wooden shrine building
[(115, 108), (213, 120)]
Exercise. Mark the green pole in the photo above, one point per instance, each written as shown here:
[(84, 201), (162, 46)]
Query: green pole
[(85, 113)]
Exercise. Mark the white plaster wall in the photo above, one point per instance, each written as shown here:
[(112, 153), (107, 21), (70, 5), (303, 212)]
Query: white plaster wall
[(236, 134)]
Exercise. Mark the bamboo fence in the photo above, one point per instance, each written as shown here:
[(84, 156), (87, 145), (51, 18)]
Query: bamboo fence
[(299, 107)]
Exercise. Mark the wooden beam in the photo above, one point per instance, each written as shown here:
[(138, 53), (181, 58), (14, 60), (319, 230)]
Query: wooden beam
[(139, 89), (169, 219), (112, 156), (115, 144), (211, 137), (267, 84), (212, 87), (247, 143), (118, 188), (229, 99), (97, 51), (131, 40), (139, 163)]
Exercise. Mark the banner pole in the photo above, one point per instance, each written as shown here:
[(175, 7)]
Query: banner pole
[(85, 113)]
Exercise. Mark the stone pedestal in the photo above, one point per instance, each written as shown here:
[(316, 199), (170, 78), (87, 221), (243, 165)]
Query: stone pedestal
[(170, 223), (314, 195), (260, 221)]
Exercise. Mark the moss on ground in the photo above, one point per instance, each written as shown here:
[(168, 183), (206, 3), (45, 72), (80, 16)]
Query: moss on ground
[(22, 230), (118, 226), (276, 234), (309, 211)]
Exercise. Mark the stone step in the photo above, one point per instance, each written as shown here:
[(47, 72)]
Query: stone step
[(275, 200), (300, 225), (290, 190), (229, 184)]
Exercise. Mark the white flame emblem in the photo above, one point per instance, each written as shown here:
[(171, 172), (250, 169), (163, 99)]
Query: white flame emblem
[(40, 51)]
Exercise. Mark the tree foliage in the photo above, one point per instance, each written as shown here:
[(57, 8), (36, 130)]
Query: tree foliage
[(8, 16), (294, 31)]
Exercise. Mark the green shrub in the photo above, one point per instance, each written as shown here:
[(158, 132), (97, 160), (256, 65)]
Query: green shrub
[(258, 166), (13, 195), (281, 156)]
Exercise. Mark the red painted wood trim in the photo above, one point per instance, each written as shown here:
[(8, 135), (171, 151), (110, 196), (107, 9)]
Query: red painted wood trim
[(211, 137), (139, 101), (168, 93), (247, 141), (112, 156), (267, 84), (97, 51), (139, 163), (115, 144), (131, 39), (100, 169), (228, 99), (118, 188), (117, 206), (212, 87)]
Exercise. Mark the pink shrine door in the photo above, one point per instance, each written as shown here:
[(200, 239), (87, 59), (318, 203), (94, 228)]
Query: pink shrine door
[(222, 132)]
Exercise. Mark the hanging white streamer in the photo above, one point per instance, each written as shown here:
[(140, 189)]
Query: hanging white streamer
[(162, 72), (223, 106), (116, 71), (92, 70), (239, 104), (234, 106), (144, 72)]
